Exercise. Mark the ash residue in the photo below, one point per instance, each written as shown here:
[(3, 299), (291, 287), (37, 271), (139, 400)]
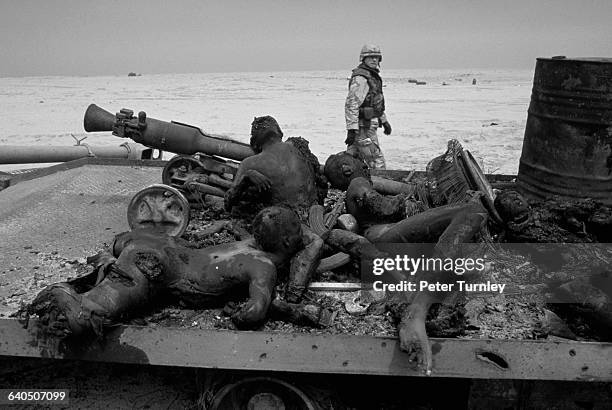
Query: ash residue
[(501, 317), (51, 268), (446, 321), (199, 241), (526, 309), (344, 323), (209, 227)]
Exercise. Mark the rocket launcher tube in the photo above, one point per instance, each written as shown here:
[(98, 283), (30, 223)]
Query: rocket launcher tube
[(166, 136)]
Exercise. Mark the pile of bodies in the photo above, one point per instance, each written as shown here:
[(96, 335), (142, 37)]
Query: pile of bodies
[(266, 273)]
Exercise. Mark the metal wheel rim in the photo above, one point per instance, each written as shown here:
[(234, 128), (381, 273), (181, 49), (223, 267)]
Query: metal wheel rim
[(159, 207)]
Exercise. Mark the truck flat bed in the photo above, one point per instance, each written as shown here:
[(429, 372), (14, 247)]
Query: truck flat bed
[(53, 218)]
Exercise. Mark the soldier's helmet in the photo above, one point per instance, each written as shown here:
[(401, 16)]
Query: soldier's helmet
[(370, 50)]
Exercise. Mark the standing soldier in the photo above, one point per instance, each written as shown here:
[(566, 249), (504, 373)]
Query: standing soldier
[(364, 109)]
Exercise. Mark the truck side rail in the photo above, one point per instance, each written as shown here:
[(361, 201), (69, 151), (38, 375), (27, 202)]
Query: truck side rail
[(321, 353)]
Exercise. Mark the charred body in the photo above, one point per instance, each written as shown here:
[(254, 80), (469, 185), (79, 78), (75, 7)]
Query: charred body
[(280, 173), (144, 268)]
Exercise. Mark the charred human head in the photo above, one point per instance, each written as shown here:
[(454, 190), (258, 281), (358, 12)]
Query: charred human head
[(264, 129), (278, 230), (513, 208), (340, 169)]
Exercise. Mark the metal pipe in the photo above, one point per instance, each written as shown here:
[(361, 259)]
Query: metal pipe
[(21, 154)]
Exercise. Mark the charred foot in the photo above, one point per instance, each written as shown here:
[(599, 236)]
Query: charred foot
[(414, 341)]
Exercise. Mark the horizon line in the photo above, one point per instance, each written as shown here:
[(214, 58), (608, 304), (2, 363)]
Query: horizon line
[(140, 74)]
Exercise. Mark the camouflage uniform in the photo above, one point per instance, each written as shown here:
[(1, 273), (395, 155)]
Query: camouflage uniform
[(365, 90)]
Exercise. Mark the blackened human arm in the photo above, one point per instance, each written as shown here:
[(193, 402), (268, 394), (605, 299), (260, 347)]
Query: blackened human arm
[(463, 229), (247, 183), (303, 265), (384, 207), (262, 279), (370, 206)]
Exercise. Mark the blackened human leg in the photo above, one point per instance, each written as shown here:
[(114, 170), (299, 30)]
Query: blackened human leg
[(125, 289), (463, 228)]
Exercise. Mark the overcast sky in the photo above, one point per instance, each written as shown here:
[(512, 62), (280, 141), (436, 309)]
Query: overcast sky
[(85, 37)]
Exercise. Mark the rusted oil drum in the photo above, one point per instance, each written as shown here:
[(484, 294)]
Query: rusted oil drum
[(567, 148)]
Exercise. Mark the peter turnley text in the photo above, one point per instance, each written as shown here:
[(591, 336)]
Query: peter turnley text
[(425, 286)]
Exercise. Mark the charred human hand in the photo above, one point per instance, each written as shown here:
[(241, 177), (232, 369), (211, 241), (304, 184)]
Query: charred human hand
[(250, 315), (256, 180), (249, 183)]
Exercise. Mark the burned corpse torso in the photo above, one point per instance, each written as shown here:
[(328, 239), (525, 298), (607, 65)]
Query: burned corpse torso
[(193, 277), (294, 180)]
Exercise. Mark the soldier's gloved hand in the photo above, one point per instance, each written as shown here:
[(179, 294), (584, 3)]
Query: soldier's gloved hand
[(387, 127), (350, 137)]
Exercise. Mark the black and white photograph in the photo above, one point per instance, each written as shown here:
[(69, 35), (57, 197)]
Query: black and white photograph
[(282, 204)]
